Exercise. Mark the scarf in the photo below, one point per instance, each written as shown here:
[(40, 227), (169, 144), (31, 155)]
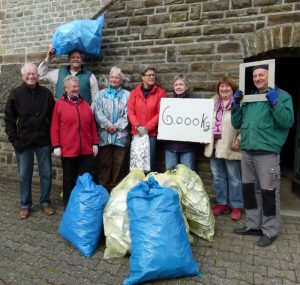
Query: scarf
[(112, 94), (219, 117)]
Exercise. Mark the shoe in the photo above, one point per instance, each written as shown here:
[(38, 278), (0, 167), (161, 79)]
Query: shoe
[(24, 213), (48, 210), (247, 232), (236, 214), (265, 240), (220, 209)]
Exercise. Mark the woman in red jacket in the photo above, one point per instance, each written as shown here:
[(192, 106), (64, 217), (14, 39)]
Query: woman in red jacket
[(143, 108), (73, 135)]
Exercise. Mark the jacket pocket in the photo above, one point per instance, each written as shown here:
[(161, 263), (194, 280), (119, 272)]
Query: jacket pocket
[(264, 125)]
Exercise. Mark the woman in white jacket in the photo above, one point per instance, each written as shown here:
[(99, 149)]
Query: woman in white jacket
[(224, 153)]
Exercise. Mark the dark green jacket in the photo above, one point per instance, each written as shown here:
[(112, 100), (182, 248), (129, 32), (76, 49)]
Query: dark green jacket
[(264, 127)]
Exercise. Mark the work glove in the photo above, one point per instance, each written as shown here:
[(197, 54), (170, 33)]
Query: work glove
[(237, 98), (95, 150), (272, 97), (57, 151), (142, 130), (18, 145)]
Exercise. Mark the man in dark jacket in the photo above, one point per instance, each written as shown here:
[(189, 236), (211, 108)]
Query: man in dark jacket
[(27, 124)]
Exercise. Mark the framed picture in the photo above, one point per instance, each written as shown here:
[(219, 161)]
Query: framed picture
[(246, 79)]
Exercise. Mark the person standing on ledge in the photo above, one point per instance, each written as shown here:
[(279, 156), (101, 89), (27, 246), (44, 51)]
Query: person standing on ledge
[(87, 80), (264, 129), (27, 124)]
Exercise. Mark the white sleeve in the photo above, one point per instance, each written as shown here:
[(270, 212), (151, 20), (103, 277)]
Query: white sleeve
[(46, 74), (94, 87)]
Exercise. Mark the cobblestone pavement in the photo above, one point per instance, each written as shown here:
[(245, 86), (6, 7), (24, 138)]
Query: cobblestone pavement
[(32, 252)]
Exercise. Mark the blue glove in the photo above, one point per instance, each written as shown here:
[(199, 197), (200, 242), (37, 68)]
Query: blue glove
[(237, 98), (272, 97)]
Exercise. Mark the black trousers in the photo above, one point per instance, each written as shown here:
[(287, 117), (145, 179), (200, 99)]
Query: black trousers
[(72, 168)]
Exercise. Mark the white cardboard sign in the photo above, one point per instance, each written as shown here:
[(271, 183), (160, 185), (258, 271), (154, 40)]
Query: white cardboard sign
[(185, 119)]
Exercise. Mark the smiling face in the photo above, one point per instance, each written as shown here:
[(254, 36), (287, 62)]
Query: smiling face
[(260, 79), (72, 88), (30, 75), (115, 80), (148, 78), (75, 60), (225, 91), (180, 87)]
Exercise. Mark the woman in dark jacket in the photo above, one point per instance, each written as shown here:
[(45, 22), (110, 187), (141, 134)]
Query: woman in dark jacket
[(177, 151)]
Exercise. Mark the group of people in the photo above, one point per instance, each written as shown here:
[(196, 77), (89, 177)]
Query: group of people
[(85, 122)]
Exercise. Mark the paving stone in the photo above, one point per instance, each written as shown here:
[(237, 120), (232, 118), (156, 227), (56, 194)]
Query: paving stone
[(32, 252)]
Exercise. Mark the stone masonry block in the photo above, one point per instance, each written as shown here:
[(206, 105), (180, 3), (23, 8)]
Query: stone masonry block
[(153, 3), (216, 29), (159, 19), (195, 12), (132, 5), (138, 21), (264, 2), (282, 19), (228, 48), (215, 6), (183, 32), (172, 2), (178, 8), (243, 28), (148, 11), (179, 17), (201, 67), (201, 48), (296, 36), (287, 35), (240, 4), (152, 32), (2, 15)]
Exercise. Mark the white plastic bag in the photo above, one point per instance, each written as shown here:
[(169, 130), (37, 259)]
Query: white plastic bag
[(140, 153)]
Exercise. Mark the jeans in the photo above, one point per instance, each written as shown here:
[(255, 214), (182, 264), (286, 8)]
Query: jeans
[(72, 167), (152, 141), (227, 181), (25, 161), (173, 158)]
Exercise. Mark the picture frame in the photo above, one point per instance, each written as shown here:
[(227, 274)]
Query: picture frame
[(246, 84)]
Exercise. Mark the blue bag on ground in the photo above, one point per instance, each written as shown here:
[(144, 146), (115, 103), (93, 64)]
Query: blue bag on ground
[(82, 220), (160, 247), (82, 35)]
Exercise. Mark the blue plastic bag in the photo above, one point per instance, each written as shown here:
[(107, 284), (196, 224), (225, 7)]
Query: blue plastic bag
[(82, 220), (160, 247), (82, 35)]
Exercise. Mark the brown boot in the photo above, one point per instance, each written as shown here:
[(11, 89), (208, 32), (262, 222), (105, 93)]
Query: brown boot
[(48, 210), (24, 213)]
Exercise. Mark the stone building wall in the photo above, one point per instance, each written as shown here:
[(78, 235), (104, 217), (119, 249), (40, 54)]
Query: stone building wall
[(203, 39)]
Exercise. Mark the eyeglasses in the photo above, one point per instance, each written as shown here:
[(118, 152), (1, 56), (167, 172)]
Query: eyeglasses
[(150, 75)]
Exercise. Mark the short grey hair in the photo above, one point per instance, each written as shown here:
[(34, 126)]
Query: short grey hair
[(180, 76), (117, 70), (23, 68), (68, 79)]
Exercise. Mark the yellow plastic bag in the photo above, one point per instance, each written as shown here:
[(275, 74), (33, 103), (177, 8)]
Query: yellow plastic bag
[(195, 202), (115, 218)]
